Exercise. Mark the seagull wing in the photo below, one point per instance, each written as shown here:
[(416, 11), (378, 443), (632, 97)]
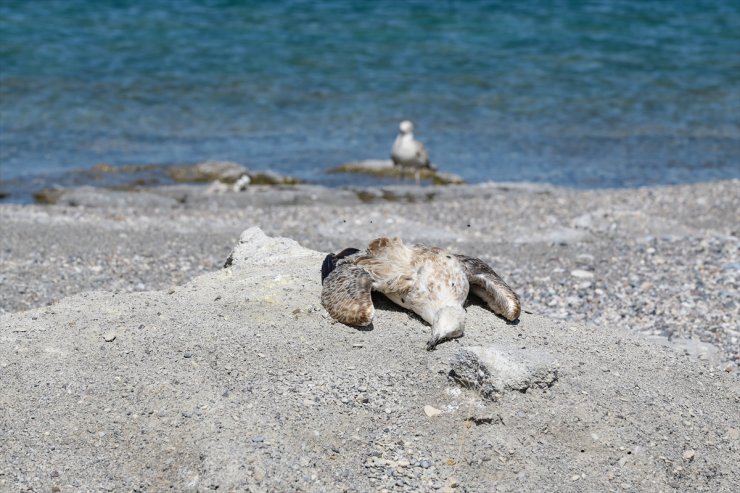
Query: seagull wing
[(421, 154), (489, 286), (346, 294)]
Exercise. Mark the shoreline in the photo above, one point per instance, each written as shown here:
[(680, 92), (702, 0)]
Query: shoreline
[(363, 174), (661, 261)]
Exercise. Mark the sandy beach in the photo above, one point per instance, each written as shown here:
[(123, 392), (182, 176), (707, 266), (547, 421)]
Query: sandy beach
[(132, 360), (660, 261)]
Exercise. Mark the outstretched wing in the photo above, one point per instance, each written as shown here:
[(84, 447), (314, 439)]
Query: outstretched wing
[(422, 155), (346, 294), (489, 286)]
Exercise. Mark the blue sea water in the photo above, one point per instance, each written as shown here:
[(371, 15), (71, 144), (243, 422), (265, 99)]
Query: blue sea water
[(577, 93)]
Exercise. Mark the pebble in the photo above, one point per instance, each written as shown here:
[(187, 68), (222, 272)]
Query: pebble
[(431, 411), (582, 274), (110, 337), (688, 455)]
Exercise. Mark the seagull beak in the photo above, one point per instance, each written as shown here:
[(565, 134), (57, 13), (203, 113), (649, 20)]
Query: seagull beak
[(432, 343)]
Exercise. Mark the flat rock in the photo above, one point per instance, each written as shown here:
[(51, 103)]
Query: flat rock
[(97, 197), (208, 171), (431, 411), (385, 167), (495, 369)]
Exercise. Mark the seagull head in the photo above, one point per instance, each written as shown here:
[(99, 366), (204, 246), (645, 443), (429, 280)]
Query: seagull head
[(406, 127), (448, 323)]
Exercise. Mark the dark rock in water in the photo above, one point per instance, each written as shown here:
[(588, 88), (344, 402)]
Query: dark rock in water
[(227, 172), (386, 168), (207, 171), (494, 369), (96, 197), (131, 168), (48, 196), (267, 177)]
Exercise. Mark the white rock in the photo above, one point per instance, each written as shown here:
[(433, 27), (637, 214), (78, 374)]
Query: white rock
[(497, 368), (431, 411)]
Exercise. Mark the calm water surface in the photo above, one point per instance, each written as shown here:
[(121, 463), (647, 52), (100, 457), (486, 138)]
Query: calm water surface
[(585, 94)]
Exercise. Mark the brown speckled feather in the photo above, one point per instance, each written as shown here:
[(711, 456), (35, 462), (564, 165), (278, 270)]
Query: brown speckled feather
[(346, 295), (489, 286)]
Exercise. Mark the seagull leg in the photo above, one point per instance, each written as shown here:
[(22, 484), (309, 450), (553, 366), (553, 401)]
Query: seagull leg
[(417, 176)]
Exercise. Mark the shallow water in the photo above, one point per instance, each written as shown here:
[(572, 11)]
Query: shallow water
[(585, 94)]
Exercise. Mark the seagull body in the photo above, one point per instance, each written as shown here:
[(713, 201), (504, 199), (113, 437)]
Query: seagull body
[(430, 281), (407, 152)]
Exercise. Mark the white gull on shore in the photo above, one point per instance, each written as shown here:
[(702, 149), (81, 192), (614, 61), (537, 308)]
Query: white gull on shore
[(408, 152)]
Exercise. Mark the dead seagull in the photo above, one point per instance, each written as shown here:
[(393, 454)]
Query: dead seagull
[(430, 281), (408, 152)]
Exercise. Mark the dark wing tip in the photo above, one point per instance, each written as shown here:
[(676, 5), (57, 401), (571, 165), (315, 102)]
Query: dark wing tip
[(330, 261), (328, 266)]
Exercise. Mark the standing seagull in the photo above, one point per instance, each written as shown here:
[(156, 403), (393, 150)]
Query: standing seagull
[(430, 281), (408, 152)]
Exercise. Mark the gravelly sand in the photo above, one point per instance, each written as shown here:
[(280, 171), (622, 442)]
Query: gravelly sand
[(238, 381), (663, 261)]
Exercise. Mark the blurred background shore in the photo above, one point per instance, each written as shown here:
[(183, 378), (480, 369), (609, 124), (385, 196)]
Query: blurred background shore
[(581, 94)]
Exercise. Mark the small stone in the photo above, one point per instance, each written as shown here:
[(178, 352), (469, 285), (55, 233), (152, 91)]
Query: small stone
[(425, 464), (187, 354), (575, 477), (259, 473), (109, 337), (452, 482), (55, 489), (431, 411), (688, 455), (403, 463), (582, 274)]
